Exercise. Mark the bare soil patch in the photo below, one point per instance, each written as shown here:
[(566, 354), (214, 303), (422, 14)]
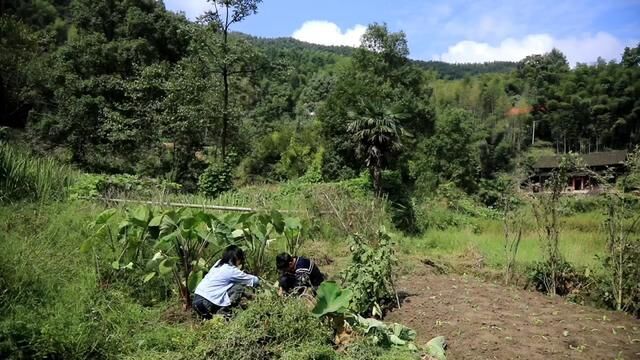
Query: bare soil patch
[(484, 320)]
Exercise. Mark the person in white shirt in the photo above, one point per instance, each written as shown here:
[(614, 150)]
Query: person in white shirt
[(224, 284)]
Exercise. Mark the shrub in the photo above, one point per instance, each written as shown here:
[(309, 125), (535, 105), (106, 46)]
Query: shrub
[(567, 279), (100, 185), (217, 178), (401, 205), (361, 186), (370, 274)]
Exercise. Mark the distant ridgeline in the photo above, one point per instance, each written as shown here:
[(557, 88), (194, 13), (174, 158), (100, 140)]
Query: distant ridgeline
[(444, 70)]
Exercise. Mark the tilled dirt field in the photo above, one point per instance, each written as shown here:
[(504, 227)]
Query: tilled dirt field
[(483, 320)]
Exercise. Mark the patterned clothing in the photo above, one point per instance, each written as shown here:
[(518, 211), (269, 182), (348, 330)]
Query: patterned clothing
[(305, 274)]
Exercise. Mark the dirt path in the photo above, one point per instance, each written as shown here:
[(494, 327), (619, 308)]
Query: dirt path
[(482, 320)]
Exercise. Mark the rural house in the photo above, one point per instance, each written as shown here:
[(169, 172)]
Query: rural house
[(579, 182)]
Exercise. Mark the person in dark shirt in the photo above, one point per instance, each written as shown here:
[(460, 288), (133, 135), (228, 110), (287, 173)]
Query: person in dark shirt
[(297, 274)]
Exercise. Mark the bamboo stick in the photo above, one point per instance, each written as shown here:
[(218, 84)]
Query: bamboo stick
[(197, 206)]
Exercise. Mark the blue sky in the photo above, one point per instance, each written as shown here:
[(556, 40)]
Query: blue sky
[(454, 31)]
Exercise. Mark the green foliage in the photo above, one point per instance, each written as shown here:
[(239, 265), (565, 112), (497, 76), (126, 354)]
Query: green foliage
[(400, 202), (361, 186), (270, 328), (385, 335), (295, 232), (449, 156), (177, 244), (370, 273), (332, 300), (99, 185), (450, 207), (566, 278), (217, 178), (23, 175)]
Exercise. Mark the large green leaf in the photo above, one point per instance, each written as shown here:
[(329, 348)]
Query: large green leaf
[(292, 223), (149, 276), (194, 279), (104, 217), (331, 299), (435, 347), (140, 216), (166, 266), (277, 220), (156, 221)]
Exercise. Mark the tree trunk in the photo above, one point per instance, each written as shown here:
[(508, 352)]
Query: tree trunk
[(225, 100), (376, 175)]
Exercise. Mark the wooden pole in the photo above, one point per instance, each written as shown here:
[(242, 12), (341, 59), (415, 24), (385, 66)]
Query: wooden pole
[(196, 206)]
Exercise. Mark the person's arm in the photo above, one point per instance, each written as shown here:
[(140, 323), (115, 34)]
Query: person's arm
[(241, 277)]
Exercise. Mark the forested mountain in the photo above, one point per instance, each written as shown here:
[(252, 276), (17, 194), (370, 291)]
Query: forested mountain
[(127, 86), (443, 69)]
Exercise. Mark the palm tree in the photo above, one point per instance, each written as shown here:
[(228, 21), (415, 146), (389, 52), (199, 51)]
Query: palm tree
[(377, 136)]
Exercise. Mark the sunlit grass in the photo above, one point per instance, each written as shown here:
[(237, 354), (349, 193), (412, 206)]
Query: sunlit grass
[(23, 176), (580, 242)]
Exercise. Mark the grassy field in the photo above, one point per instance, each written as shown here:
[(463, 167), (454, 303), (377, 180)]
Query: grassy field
[(54, 305), (580, 241)]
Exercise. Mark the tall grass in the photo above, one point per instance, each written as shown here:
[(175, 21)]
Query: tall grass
[(580, 241), (24, 176)]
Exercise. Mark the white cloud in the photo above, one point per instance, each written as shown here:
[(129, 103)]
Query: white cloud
[(191, 8), (328, 33), (584, 49)]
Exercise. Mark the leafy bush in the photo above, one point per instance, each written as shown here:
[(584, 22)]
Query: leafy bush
[(370, 273), (567, 279), (99, 185), (402, 211), (217, 178), (583, 204), (358, 186), (314, 171)]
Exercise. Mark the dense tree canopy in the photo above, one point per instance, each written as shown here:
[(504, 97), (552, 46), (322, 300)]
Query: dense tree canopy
[(127, 86)]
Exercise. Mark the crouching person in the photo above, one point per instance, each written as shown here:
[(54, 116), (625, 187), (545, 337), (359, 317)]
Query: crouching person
[(298, 275), (224, 285)]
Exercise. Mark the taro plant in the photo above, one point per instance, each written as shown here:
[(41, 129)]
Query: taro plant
[(333, 304), (295, 232), (177, 243), (183, 243), (257, 232), (186, 244)]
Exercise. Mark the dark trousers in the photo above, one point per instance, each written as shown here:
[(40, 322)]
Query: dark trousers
[(206, 309)]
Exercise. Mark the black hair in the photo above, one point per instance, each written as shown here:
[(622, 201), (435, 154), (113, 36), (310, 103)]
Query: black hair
[(282, 261), (232, 255)]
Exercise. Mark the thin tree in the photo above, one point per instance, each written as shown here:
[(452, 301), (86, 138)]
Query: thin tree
[(225, 14)]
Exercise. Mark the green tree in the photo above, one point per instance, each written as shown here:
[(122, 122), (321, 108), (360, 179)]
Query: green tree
[(225, 14), (379, 74), (450, 154), (377, 134)]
